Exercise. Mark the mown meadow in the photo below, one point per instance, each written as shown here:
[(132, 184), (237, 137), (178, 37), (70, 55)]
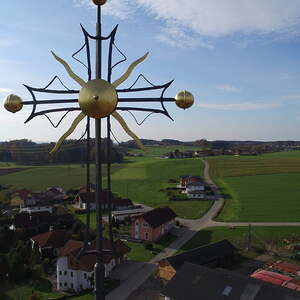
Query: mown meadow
[(259, 188)]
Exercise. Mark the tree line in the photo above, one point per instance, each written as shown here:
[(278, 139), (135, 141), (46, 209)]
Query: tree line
[(72, 151)]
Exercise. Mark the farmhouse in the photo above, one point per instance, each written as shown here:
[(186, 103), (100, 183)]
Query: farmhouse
[(74, 272), (187, 179), (152, 225), (215, 284), (50, 243), (219, 254), (116, 203)]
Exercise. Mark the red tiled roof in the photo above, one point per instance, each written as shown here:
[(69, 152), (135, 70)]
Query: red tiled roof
[(87, 262), (54, 239), (158, 216), (271, 277), (285, 267)]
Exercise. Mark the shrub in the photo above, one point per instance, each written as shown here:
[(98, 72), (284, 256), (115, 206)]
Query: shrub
[(148, 246)]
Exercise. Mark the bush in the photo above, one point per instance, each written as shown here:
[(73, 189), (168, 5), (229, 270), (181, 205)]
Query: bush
[(148, 246)]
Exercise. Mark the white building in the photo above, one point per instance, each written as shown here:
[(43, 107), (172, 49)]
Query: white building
[(195, 186), (77, 273), (196, 195), (32, 209)]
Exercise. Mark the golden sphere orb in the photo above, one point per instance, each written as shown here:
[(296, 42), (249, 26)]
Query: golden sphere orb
[(184, 99), (98, 98), (13, 103), (99, 2)]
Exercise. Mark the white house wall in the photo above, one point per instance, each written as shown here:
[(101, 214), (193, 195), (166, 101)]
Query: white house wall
[(77, 280)]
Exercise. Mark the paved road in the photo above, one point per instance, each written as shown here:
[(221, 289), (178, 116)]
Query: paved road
[(191, 227)]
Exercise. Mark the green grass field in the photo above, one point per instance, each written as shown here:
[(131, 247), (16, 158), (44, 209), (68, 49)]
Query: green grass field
[(259, 188)]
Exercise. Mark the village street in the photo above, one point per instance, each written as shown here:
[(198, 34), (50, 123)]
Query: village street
[(142, 271)]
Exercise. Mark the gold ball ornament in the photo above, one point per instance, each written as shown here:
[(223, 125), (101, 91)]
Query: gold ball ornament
[(98, 98), (184, 99), (99, 2), (13, 103)]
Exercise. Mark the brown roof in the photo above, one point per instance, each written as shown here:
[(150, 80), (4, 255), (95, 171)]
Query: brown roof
[(24, 220), (158, 216), (23, 193), (87, 262), (54, 239)]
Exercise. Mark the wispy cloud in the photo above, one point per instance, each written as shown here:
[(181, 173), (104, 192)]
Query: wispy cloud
[(240, 106), (176, 35), (227, 88), (4, 91), (191, 23)]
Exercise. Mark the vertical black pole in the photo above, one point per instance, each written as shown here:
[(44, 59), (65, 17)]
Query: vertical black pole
[(88, 146), (108, 152), (99, 266)]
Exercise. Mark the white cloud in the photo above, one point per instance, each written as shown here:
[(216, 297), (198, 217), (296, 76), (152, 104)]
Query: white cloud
[(194, 21), (240, 106), (4, 91), (227, 88)]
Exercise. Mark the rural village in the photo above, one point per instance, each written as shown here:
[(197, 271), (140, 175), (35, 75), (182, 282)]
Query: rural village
[(49, 228), (149, 150)]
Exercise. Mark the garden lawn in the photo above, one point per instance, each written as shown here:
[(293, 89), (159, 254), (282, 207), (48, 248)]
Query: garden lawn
[(139, 253), (237, 236), (143, 180)]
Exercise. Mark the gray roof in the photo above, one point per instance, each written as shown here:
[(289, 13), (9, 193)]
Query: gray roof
[(202, 255), (216, 284)]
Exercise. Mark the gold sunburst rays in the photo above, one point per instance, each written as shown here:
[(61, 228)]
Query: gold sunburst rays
[(98, 99)]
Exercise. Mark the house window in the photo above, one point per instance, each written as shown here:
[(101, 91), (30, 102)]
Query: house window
[(60, 273), (66, 284), (146, 236), (72, 285), (81, 287), (71, 274), (84, 275), (137, 223), (60, 284), (65, 272), (145, 225)]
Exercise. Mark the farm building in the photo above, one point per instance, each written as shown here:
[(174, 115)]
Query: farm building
[(219, 254), (116, 203), (74, 272), (152, 225), (200, 282), (50, 243)]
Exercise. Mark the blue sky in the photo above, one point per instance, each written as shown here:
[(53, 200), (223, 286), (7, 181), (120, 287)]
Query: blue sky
[(240, 59)]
